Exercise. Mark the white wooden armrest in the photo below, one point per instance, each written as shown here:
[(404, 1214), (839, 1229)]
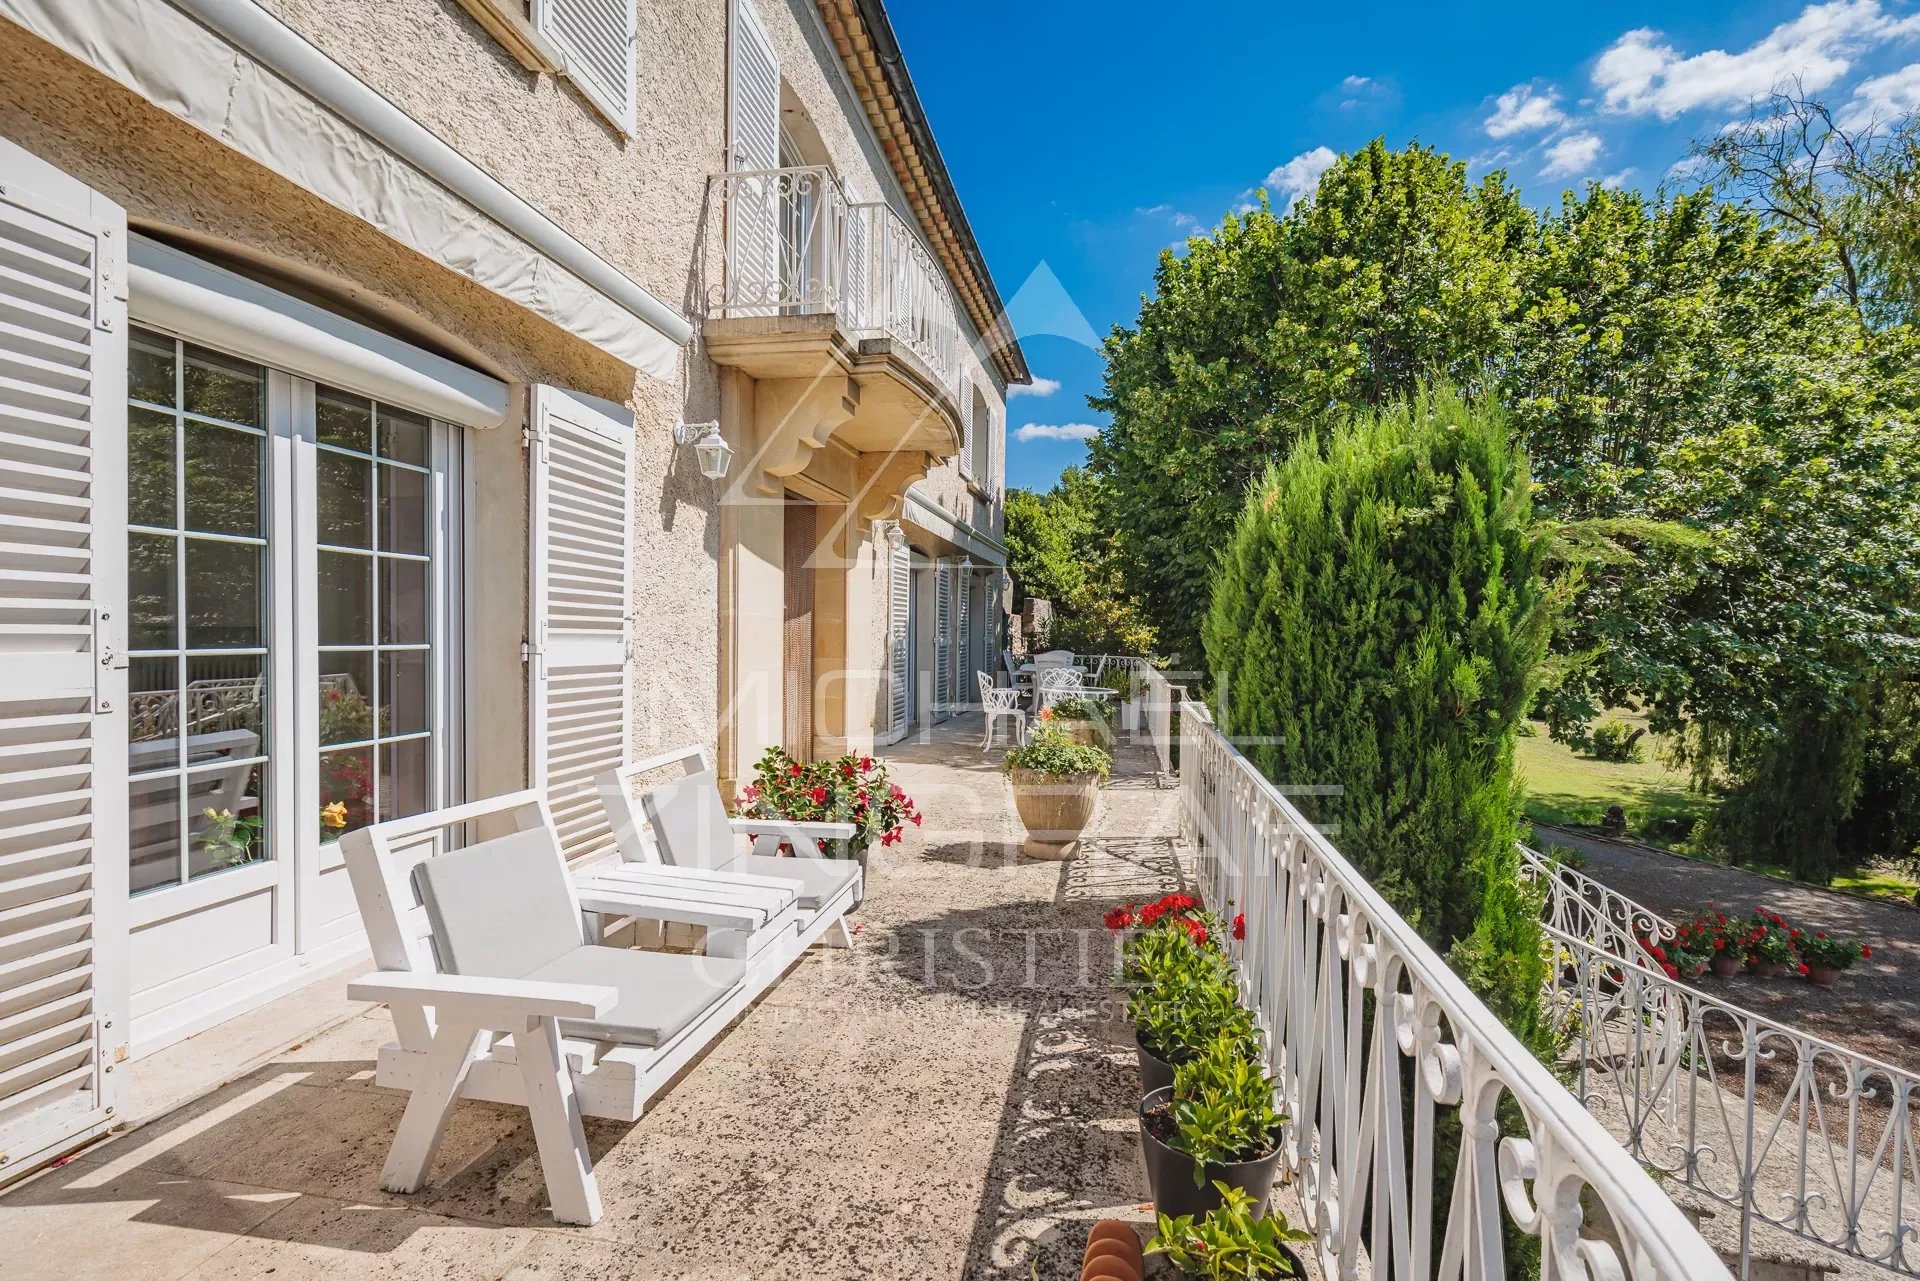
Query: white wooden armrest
[(495, 1004), (786, 827), (633, 901), (696, 878)]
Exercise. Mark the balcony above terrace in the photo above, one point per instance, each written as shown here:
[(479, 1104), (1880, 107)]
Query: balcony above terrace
[(841, 315)]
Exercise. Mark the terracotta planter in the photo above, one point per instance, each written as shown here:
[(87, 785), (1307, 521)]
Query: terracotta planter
[(1170, 1171), (1113, 1253), (1155, 1072), (1765, 969), (1823, 975), (1725, 966), (1055, 809)]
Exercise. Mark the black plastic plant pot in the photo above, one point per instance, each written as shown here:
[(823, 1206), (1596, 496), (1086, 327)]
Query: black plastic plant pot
[(1170, 1171), (1155, 1072)]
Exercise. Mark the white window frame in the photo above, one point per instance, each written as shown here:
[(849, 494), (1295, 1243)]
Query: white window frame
[(530, 31)]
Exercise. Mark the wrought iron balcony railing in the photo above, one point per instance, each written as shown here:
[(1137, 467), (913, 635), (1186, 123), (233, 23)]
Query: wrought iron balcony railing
[(796, 246)]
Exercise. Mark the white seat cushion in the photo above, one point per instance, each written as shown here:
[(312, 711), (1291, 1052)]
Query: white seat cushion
[(689, 821), (660, 992), (819, 878), (499, 908)]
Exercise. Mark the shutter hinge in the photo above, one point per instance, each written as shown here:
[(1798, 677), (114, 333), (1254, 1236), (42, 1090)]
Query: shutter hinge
[(527, 652)]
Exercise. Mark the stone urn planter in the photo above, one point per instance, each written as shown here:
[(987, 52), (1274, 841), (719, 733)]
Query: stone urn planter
[(1170, 1171), (1765, 969), (1725, 966), (1055, 808), (1823, 975)]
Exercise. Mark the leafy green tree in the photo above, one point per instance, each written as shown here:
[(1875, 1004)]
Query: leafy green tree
[(1378, 625), (1398, 269), (1060, 549)]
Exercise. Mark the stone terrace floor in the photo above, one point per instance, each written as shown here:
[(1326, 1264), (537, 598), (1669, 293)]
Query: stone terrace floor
[(952, 1098)]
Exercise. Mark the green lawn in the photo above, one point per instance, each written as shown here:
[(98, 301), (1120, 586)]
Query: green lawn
[(1568, 789)]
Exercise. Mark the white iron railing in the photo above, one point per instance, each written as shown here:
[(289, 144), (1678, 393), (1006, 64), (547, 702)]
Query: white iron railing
[(1355, 1004), (1578, 906), (1783, 1127), (796, 246)]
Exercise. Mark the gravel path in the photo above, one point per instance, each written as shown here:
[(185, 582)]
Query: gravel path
[(1875, 1010)]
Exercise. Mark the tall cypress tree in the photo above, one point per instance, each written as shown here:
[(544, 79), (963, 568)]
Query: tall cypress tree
[(1378, 621)]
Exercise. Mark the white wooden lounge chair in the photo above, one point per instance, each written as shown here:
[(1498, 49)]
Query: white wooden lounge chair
[(680, 828), (497, 992)]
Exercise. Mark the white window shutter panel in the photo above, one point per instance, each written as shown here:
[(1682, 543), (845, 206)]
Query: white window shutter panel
[(596, 41), (753, 146), (899, 665), (63, 671), (942, 636), (966, 423), (579, 651), (964, 691)]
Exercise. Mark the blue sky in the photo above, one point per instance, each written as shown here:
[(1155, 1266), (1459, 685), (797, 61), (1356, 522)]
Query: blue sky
[(1085, 137)]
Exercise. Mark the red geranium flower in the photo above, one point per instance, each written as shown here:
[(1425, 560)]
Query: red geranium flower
[(1119, 918), (1866, 952), (1802, 967), (1673, 971), (819, 795), (1240, 925)]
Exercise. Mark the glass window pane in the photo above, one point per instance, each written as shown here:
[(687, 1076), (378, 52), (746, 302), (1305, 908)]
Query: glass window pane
[(226, 602), (346, 696), (226, 817), (404, 436), (344, 419), (153, 615), (150, 468), (346, 599), (150, 367), (222, 386), (153, 829), (225, 707), (403, 510), (404, 786), (403, 602), (346, 791), (345, 493), (226, 482), (153, 714), (404, 689)]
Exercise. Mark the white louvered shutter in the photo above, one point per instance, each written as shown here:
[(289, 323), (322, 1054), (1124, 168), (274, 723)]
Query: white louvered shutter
[(63, 681), (596, 40), (942, 637), (963, 690), (753, 145), (966, 423), (899, 664), (856, 309), (579, 655)]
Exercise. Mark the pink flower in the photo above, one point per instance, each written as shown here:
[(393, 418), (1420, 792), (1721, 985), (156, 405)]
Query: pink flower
[(916, 820)]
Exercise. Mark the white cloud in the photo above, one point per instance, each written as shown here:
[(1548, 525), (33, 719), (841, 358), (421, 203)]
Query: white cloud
[(1883, 98), (1055, 431), (1523, 109), (1354, 84), (1640, 73), (1299, 175), (1573, 154), (1038, 387), (1618, 180)]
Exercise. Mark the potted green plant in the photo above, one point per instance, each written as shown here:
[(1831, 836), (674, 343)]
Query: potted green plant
[(1215, 1124), (1709, 933), (228, 840), (1768, 943), (1232, 1242), (1822, 958), (1056, 784), (1084, 720), (844, 789)]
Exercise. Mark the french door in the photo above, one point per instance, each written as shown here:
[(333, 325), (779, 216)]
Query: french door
[(287, 548)]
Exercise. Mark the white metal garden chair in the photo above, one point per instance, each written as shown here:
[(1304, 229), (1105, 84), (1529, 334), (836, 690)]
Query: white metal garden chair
[(680, 829), (1000, 704), (1057, 684), (1021, 682), (498, 992), (1053, 658)]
